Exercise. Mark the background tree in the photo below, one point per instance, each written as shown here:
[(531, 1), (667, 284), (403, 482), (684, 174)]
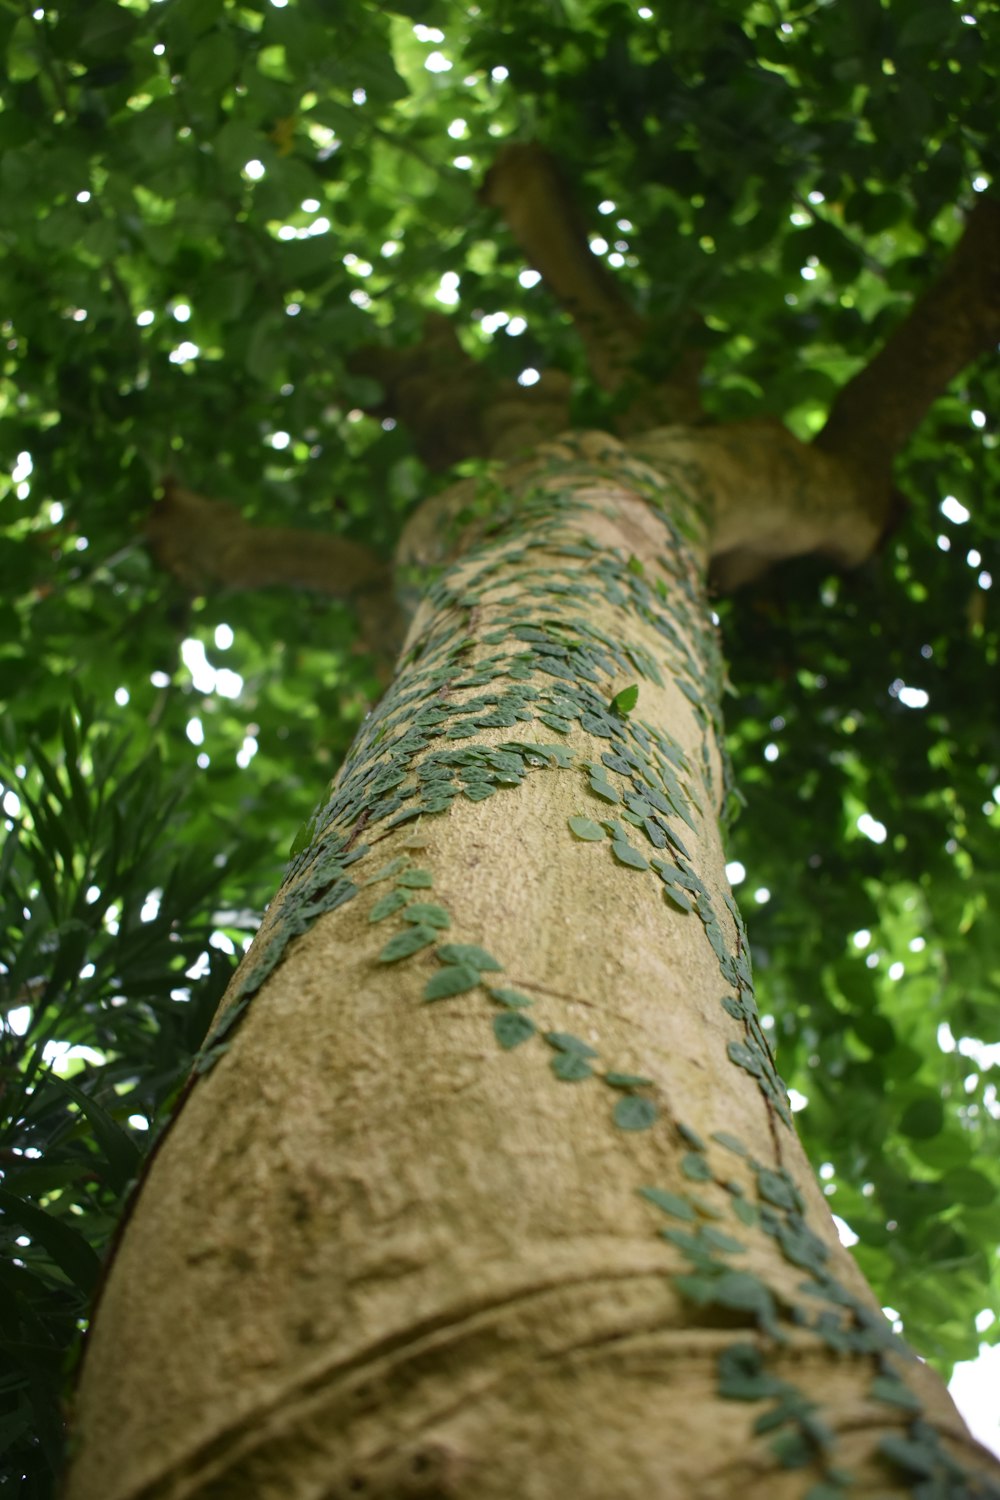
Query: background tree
[(229, 203)]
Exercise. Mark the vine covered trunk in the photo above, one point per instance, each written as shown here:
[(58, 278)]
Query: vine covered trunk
[(486, 1184)]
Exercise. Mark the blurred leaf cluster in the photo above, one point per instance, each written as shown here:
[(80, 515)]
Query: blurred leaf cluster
[(106, 916)]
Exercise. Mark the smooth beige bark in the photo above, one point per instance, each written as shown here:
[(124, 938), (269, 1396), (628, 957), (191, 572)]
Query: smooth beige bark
[(378, 1255)]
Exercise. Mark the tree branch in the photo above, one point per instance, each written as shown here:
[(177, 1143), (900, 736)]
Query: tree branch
[(954, 321), (209, 544), (452, 406), (434, 388), (526, 185)]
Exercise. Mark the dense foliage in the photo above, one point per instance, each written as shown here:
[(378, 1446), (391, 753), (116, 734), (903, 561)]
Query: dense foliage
[(208, 206)]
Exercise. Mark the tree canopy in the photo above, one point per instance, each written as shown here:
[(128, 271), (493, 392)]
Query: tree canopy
[(260, 265)]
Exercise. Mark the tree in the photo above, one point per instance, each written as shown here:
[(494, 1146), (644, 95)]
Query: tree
[(508, 1232)]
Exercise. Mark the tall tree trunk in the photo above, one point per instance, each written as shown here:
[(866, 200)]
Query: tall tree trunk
[(487, 1185)]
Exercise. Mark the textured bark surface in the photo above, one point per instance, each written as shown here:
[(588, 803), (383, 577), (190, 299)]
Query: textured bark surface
[(380, 1255)]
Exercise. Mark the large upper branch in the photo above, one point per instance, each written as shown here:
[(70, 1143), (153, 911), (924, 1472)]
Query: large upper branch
[(953, 322), (210, 544), (528, 188)]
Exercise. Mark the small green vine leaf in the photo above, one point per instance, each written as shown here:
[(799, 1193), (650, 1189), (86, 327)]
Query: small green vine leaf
[(586, 829), (676, 897), (565, 1041), (739, 1290), (386, 905), (467, 953), (695, 1167), (779, 1189), (702, 1206), (416, 879), (720, 1241), (513, 999), (429, 914), (627, 855), (913, 1457), (511, 1029), (627, 1081), (392, 868), (624, 702), (892, 1390), (692, 1248), (635, 1113), (570, 1067), (743, 1377), (669, 1203), (406, 943), (731, 1142), (456, 979)]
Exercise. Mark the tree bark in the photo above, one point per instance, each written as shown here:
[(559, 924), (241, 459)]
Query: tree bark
[(523, 1216)]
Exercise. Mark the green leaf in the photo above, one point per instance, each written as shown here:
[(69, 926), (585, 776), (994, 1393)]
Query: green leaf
[(66, 1245), (694, 1166), (966, 1185), (604, 789), (511, 998), (923, 1119), (793, 1449), (406, 943), (565, 1041), (624, 702), (913, 1457), (743, 1377), (627, 1080), (635, 1113), (743, 1292), (429, 914), (383, 873), (456, 979), (304, 837), (779, 1189), (626, 854), (570, 1067), (511, 1029), (745, 1211), (415, 879), (670, 1203), (717, 1240), (479, 791), (677, 897), (586, 829), (467, 953), (121, 1152), (731, 1142), (386, 905), (212, 63), (890, 1388)]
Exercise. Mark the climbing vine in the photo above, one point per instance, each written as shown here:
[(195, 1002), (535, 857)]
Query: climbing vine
[(506, 644)]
